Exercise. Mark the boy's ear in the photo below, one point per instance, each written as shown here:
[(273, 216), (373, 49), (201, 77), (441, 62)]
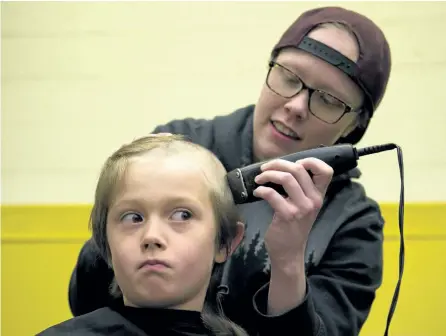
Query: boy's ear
[(223, 254)]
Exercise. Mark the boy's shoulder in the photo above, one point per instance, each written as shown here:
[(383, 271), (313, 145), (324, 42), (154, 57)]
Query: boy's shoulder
[(103, 321)]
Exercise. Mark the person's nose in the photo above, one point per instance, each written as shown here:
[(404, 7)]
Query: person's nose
[(298, 105), (153, 235)]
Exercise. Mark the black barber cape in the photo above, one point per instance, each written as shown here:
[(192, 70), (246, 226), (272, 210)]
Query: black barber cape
[(129, 321)]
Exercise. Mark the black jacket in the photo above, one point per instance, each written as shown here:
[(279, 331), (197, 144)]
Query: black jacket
[(343, 256)]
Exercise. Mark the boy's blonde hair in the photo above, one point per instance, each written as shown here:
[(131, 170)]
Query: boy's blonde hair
[(226, 214)]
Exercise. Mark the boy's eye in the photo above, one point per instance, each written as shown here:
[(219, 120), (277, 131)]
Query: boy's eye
[(181, 215), (132, 217)]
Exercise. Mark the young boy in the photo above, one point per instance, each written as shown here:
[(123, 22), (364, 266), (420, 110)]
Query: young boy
[(165, 221)]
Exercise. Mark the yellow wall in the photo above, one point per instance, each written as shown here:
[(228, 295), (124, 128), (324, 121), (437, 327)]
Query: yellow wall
[(79, 79), (40, 245)]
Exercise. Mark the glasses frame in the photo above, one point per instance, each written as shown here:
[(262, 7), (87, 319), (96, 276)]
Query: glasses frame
[(347, 107)]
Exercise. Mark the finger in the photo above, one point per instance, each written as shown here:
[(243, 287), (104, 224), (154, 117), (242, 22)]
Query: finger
[(299, 172), (285, 179), (322, 172), (275, 200)]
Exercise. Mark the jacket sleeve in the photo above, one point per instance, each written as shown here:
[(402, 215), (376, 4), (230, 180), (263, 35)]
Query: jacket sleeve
[(341, 289), (91, 278)]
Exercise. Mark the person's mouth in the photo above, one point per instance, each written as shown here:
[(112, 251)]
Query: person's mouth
[(285, 130)]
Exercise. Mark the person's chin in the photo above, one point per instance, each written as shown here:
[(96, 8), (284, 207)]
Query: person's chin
[(271, 149)]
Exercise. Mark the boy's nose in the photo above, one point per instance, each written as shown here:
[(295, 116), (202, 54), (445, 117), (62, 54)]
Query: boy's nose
[(152, 236)]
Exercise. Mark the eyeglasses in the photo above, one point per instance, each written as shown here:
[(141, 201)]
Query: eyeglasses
[(322, 105)]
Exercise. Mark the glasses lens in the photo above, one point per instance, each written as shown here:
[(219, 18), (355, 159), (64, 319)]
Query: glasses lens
[(326, 107), (322, 105), (283, 82)]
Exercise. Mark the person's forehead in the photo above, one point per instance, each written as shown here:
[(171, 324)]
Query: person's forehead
[(320, 74)]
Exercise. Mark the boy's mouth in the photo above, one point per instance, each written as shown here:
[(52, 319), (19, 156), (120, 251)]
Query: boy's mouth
[(154, 263)]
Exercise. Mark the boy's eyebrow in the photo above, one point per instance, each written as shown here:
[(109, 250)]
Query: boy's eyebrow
[(122, 202), (127, 201)]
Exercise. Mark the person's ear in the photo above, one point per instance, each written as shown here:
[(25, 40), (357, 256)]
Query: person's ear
[(222, 255), (351, 126)]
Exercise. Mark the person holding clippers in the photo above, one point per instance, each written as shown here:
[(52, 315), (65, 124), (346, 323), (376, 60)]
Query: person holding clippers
[(311, 263)]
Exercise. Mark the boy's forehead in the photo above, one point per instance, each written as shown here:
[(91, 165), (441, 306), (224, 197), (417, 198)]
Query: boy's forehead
[(162, 179)]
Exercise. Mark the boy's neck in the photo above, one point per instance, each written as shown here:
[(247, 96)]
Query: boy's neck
[(188, 306)]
